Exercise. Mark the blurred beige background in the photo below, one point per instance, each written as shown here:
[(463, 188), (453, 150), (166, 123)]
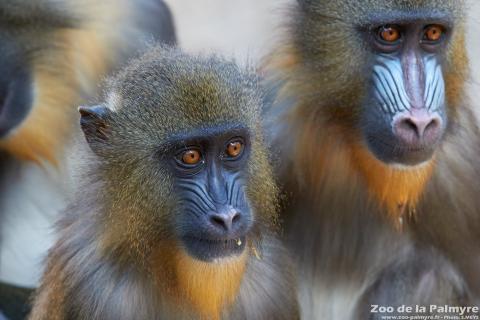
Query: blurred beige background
[(244, 29), (474, 51), (247, 29), (474, 39)]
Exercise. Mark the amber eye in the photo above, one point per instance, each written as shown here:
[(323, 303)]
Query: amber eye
[(234, 149), (389, 34), (433, 33), (191, 157)]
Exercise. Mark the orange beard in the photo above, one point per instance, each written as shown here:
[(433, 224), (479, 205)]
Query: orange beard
[(202, 287), (210, 287), (398, 190)]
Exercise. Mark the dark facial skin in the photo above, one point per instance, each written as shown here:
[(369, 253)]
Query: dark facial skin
[(214, 214), (405, 117), (16, 92)]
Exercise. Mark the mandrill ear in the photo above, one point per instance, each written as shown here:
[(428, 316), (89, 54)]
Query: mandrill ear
[(94, 124)]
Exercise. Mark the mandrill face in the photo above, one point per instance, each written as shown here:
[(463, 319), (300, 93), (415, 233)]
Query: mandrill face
[(214, 216), (194, 178), (405, 117), (387, 77), (398, 71)]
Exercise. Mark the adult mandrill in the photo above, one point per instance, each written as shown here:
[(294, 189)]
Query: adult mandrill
[(176, 219), (377, 136)]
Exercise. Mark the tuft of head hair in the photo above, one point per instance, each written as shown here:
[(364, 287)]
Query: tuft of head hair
[(173, 91)]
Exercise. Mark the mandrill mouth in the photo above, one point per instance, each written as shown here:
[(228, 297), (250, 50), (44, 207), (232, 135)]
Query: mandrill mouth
[(400, 154), (210, 249)]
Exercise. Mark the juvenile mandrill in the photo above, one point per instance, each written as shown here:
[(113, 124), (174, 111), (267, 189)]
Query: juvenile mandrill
[(176, 219)]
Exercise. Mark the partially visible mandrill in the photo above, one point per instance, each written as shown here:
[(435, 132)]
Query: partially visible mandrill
[(177, 215), (380, 149), (53, 53)]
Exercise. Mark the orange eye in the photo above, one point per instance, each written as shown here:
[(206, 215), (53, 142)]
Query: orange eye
[(433, 33), (389, 33), (191, 157), (234, 149)]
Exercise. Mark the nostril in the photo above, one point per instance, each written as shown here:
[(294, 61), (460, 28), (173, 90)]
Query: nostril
[(410, 125), (236, 217), (219, 221), (433, 125)]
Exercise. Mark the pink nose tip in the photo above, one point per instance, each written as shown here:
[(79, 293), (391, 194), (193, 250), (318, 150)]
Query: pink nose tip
[(418, 127)]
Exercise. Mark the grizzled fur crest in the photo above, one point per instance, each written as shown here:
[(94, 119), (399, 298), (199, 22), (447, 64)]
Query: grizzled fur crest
[(212, 88)]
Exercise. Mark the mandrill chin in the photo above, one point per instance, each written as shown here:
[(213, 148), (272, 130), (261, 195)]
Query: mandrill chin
[(177, 215)]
